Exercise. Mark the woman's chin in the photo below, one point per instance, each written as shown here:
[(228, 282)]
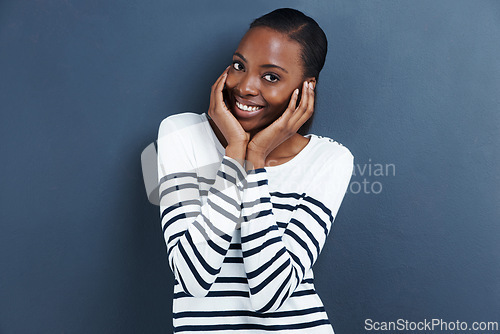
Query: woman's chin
[(248, 125), (246, 122)]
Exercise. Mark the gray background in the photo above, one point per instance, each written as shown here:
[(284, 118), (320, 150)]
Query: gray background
[(84, 86)]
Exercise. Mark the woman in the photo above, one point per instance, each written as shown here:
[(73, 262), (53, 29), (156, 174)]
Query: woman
[(246, 200)]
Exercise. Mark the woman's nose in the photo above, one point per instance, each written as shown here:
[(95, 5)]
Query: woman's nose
[(248, 85)]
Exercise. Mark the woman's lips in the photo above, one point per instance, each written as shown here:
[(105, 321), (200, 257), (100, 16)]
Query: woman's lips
[(243, 110)]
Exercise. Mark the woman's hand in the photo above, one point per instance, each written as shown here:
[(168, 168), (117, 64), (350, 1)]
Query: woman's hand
[(266, 140), (223, 118)]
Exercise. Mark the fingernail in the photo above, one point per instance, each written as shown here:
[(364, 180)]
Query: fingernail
[(296, 91)]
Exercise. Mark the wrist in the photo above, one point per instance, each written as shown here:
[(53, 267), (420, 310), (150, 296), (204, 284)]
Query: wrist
[(236, 152), (255, 160)]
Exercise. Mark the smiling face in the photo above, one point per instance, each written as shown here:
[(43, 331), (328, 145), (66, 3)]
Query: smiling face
[(267, 68)]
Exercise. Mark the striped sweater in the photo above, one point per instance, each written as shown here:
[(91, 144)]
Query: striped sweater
[(242, 244)]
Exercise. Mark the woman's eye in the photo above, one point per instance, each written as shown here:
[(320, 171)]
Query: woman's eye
[(271, 77), (237, 66)]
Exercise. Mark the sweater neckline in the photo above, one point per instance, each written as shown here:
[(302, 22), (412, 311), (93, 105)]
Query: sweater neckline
[(297, 157)]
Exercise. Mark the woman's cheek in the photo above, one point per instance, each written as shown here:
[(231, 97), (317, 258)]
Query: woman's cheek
[(279, 99), (230, 81)]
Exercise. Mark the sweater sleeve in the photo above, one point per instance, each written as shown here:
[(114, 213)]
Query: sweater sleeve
[(197, 235), (275, 262)]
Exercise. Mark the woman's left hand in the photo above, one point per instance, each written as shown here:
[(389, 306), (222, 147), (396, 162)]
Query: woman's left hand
[(266, 140)]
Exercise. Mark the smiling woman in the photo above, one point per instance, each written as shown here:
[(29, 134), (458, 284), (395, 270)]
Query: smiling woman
[(264, 74), (247, 199)]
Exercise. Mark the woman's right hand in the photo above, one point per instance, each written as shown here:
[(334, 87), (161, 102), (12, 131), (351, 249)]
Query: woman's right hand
[(230, 127)]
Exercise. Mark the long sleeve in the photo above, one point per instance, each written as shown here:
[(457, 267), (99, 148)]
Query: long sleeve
[(275, 262), (197, 234)]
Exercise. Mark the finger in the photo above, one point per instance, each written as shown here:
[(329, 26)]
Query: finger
[(309, 109), (285, 117), (292, 104), (224, 74), (305, 110), (291, 113), (304, 97), (214, 91), (219, 98), (221, 77), (303, 103), (310, 104), (212, 96)]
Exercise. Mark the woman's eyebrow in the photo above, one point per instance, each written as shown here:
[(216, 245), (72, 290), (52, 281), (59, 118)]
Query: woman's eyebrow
[(274, 66), (241, 56), (265, 65)]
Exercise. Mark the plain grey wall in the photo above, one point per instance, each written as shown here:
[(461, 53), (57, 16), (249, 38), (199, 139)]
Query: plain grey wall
[(84, 85)]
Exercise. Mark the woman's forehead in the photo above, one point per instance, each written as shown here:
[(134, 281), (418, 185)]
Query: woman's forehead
[(263, 45)]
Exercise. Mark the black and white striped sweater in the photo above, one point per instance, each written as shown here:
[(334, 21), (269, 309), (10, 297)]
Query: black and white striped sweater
[(242, 244)]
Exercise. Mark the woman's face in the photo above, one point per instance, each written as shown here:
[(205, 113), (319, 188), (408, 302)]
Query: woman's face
[(267, 68)]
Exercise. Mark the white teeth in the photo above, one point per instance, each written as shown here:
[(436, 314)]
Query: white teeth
[(246, 108)]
